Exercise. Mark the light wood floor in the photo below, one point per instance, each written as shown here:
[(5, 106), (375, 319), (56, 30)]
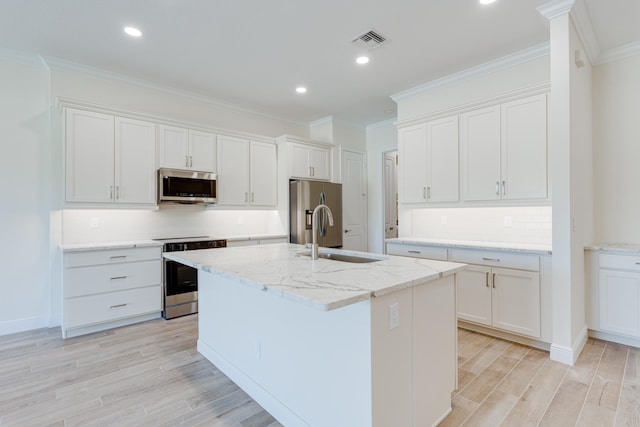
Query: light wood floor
[(151, 375)]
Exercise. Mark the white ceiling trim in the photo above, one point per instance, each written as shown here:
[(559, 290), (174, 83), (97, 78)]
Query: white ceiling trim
[(109, 75), (382, 124), (584, 27), (555, 8), (22, 58), (618, 53), (322, 121), (479, 70)]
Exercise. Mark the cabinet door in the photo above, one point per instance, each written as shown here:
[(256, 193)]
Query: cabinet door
[(480, 145), (89, 156), (412, 158), (299, 158), (474, 294), (264, 174), (524, 148), (319, 161), (620, 302), (135, 161), (174, 147), (233, 171), (202, 151), (516, 301), (442, 160)]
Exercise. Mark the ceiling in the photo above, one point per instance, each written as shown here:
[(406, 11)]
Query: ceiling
[(254, 53)]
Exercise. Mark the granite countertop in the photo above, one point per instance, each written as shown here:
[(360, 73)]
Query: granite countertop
[(109, 245), (473, 244), (628, 248), (281, 269)]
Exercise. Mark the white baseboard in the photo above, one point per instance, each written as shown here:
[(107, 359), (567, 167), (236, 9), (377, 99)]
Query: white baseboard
[(22, 325), (569, 355)]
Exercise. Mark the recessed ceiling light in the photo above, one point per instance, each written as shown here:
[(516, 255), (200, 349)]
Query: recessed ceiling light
[(301, 89), (362, 60), (487, 1), (132, 31)]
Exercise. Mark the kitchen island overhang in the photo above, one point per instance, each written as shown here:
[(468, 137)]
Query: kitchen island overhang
[(325, 342)]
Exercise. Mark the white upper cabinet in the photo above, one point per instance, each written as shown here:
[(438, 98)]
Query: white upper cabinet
[(504, 151), (135, 161), (309, 162), (247, 172), (89, 154), (109, 159), (182, 148), (428, 161), (524, 148)]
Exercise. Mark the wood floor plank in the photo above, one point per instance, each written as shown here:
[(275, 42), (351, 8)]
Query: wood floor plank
[(462, 408), (628, 412), (517, 381), (483, 359), (492, 411), (488, 379)]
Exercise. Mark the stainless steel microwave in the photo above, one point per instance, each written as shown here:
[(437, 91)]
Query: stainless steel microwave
[(185, 186)]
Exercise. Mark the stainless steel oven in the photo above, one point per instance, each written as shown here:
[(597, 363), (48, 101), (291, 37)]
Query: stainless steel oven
[(181, 281)]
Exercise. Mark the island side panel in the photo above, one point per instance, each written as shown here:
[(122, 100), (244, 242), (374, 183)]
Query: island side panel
[(435, 340), (304, 366)]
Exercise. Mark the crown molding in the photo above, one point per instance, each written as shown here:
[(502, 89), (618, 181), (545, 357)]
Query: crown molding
[(499, 64), (618, 53), (22, 58), (322, 121), (584, 28), (555, 8), (56, 63), (382, 124)]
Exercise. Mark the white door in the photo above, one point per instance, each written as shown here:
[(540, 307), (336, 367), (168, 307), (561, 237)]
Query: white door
[(89, 157), (233, 171), (390, 195), (319, 160), (173, 143), (474, 294), (354, 201), (264, 174), (135, 161), (202, 149), (442, 160), (516, 301), (620, 302), (412, 152)]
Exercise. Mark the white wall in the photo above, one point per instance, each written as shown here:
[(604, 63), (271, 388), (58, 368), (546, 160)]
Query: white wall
[(616, 139), (381, 137), (24, 205)]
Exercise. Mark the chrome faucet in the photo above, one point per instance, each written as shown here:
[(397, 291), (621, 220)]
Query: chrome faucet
[(314, 228)]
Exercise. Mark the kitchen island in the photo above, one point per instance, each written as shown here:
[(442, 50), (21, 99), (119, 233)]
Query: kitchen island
[(330, 343)]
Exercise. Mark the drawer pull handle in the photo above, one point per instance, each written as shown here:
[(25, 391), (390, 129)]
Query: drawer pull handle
[(118, 256), (494, 280), (118, 306), (637, 263), (414, 252), (119, 278), (491, 259), (487, 279)]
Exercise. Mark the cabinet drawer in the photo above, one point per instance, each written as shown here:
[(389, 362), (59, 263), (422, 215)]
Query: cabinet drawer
[(110, 256), (417, 251), (108, 278), (497, 259), (622, 262), (84, 311)]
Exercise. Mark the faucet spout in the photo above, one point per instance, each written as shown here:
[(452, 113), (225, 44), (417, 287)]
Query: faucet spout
[(314, 227)]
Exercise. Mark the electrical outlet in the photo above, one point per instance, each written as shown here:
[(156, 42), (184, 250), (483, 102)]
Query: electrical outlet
[(507, 221), (95, 222), (443, 220), (394, 316)]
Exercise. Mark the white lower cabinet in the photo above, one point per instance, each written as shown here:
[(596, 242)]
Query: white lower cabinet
[(503, 298), (619, 294), (104, 288)]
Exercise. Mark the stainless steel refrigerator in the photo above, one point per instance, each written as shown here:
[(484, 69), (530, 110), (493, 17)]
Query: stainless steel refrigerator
[(304, 196)]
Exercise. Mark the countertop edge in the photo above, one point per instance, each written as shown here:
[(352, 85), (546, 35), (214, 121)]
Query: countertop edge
[(504, 247), (79, 247)]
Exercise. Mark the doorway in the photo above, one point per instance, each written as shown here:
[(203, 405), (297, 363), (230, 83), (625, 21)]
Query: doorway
[(390, 185), (354, 201)]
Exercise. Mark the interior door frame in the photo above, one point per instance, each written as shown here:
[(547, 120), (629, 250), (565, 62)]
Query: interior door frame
[(365, 225), (383, 199)]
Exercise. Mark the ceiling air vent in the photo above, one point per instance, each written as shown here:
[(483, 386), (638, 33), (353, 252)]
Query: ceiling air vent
[(371, 39)]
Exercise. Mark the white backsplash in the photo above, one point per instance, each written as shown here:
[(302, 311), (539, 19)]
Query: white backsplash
[(508, 224), (112, 225)]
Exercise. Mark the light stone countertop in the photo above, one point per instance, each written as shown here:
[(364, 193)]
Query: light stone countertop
[(623, 248), (109, 245), (283, 271), (474, 244)]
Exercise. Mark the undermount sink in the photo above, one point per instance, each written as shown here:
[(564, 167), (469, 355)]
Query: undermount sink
[(344, 257)]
